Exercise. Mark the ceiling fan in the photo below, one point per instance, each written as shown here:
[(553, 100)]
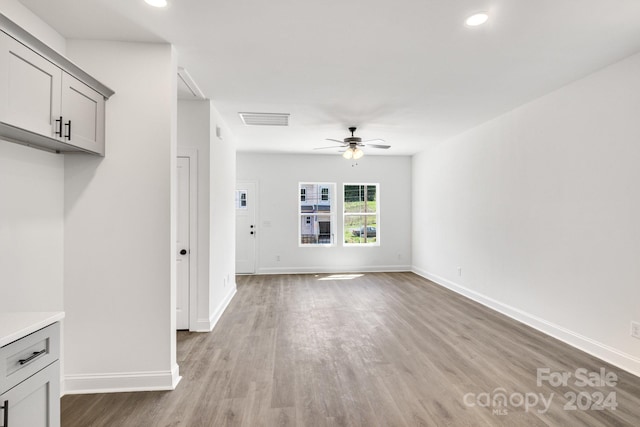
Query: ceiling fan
[(352, 144)]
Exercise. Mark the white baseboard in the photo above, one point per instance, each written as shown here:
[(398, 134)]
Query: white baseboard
[(213, 321), (201, 325), (324, 270), (209, 324), (602, 351), (122, 382)]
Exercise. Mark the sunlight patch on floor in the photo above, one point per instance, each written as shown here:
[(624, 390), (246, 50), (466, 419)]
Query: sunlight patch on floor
[(341, 277)]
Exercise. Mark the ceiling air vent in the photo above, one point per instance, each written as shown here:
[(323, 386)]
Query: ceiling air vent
[(265, 119)]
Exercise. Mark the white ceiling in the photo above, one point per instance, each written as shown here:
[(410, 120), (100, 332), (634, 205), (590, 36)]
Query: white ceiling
[(407, 71)]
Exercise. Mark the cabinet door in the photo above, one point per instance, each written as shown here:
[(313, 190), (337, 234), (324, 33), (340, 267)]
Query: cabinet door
[(83, 112), (35, 402), (29, 88)]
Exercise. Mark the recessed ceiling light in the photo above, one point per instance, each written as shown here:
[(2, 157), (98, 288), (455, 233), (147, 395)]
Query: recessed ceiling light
[(477, 19), (157, 3)]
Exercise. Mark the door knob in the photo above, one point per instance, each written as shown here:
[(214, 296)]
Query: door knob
[(183, 252)]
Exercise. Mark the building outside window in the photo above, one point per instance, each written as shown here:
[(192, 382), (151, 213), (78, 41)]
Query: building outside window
[(316, 214)]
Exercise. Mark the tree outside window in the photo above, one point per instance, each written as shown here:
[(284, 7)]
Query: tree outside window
[(361, 214)]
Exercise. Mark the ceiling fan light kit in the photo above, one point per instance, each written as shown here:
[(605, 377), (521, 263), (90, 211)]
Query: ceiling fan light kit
[(353, 153)]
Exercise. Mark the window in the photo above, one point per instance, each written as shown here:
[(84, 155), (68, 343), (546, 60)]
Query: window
[(241, 199), (316, 214), (361, 214)]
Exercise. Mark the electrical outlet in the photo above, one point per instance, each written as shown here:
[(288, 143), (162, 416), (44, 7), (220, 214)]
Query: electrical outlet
[(635, 329), (459, 271)]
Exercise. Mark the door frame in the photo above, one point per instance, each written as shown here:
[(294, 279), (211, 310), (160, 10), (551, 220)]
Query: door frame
[(192, 154), (256, 216)]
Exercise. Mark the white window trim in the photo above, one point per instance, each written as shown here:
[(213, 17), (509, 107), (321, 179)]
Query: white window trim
[(377, 216)]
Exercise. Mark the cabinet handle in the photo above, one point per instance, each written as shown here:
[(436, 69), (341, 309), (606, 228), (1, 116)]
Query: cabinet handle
[(6, 413), (33, 356), (68, 126), (59, 128)]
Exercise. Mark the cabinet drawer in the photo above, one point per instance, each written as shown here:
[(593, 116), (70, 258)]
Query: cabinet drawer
[(24, 357)]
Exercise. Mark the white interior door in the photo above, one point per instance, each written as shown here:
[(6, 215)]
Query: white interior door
[(183, 244), (246, 229)]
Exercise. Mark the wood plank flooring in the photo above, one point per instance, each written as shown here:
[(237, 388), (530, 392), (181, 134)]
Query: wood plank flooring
[(383, 349)]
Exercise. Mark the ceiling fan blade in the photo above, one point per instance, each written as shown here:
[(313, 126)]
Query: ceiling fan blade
[(375, 140), (335, 140), (333, 146), (378, 146)]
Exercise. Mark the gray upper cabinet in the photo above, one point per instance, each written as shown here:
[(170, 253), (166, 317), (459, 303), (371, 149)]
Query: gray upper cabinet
[(30, 90), (83, 115), (45, 100)]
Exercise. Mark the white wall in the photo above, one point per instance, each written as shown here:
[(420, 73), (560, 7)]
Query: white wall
[(31, 207), (278, 176), (223, 220), (119, 227), (197, 121), (540, 208), (31, 224)]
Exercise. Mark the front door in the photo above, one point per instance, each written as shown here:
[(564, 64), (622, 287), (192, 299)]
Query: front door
[(246, 229)]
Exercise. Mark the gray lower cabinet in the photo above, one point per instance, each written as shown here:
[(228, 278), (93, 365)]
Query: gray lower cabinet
[(35, 402), (30, 380)]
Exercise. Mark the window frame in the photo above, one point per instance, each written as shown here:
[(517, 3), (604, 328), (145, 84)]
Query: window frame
[(346, 214), (314, 215)]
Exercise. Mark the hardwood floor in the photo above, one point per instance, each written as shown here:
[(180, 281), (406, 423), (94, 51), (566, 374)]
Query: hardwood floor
[(383, 349)]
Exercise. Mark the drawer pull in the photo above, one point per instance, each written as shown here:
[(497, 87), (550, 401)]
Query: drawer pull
[(68, 126), (59, 130), (6, 414), (33, 356)]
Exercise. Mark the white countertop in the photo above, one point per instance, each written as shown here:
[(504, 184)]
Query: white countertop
[(14, 326)]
